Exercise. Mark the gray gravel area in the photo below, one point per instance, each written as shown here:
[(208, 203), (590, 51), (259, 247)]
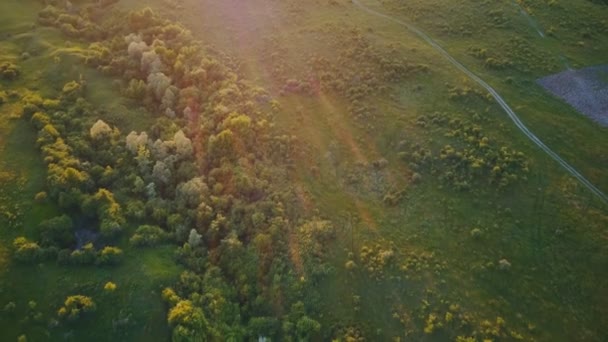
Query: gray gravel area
[(586, 90)]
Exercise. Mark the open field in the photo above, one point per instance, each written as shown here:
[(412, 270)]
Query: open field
[(302, 170)]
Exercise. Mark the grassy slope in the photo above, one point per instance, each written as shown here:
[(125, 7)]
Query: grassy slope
[(143, 274), (538, 284), (551, 283), (555, 122)]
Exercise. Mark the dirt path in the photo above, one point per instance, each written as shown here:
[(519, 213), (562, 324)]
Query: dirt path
[(501, 102)]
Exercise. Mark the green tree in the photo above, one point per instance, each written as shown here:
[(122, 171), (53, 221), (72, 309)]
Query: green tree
[(263, 327), (147, 235), (57, 231), (307, 327), (189, 322)]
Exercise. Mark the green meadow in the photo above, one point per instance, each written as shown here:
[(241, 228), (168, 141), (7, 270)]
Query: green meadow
[(298, 171)]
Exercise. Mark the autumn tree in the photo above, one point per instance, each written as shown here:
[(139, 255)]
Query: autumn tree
[(189, 322)]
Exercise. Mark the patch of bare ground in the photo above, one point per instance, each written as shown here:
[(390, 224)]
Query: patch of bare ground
[(586, 90)]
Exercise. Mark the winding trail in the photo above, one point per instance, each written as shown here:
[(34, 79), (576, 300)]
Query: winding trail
[(503, 104), (530, 20)]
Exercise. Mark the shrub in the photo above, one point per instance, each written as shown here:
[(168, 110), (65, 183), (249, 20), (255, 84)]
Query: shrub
[(26, 251), (9, 71), (504, 265), (110, 256), (72, 91), (476, 233), (57, 231), (63, 256), (110, 228), (76, 306), (40, 197), (10, 307), (109, 287), (84, 256), (350, 265), (147, 235)]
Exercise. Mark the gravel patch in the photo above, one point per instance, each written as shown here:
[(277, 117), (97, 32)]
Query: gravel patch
[(586, 90)]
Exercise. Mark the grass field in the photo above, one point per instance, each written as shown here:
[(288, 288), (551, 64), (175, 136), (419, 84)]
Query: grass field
[(433, 262)]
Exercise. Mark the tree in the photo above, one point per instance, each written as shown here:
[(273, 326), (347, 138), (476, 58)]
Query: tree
[(100, 130), (161, 173), (191, 193), (147, 235), (307, 327), (183, 145), (189, 322), (57, 231), (194, 239), (263, 327), (136, 46), (238, 123), (134, 141), (136, 89), (158, 84), (143, 160), (142, 19), (151, 64), (184, 334), (222, 144), (169, 100), (170, 296), (47, 135)]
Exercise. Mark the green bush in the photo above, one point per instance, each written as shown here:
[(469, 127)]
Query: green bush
[(110, 256), (26, 251), (84, 256), (9, 71), (76, 306), (57, 231), (147, 235)]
